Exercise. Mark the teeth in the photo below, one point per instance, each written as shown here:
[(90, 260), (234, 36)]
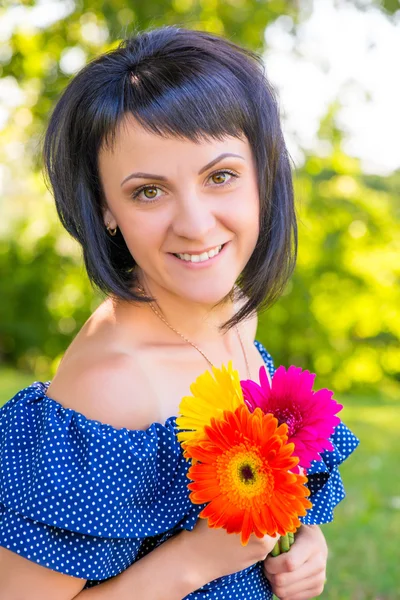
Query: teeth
[(200, 257)]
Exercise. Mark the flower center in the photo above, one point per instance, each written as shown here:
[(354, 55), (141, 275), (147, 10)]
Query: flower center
[(245, 476), (246, 473), (291, 416)]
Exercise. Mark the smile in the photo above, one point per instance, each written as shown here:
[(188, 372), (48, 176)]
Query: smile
[(200, 257)]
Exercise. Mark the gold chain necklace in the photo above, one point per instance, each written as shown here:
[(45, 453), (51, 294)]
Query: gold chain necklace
[(141, 289)]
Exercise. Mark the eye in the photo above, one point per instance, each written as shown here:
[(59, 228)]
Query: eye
[(150, 191), (147, 189), (220, 177)]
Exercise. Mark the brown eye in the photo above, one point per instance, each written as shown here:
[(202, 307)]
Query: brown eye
[(223, 178), (219, 177), (147, 193), (150, 192)]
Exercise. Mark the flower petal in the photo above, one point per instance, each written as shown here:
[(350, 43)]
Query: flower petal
[(247, 482)]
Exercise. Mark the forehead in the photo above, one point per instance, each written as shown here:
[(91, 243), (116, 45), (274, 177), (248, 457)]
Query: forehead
[(133, 141)]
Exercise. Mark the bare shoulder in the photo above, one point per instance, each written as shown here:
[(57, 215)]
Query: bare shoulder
[(251, 323), (109, 389), (23, 578)]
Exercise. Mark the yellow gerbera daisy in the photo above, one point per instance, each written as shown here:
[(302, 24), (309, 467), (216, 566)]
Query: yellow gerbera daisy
[(213, 393)]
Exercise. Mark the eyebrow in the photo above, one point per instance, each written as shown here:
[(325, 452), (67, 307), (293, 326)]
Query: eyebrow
[(140, 175)]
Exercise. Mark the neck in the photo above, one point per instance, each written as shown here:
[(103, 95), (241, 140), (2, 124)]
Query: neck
[(198, 322), (184, 323), (195, 320)]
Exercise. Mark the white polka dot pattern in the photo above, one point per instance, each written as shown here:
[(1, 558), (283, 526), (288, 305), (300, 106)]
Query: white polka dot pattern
[(86, 499)]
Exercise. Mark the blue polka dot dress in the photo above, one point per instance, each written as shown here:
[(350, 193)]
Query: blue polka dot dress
[(83, 498)]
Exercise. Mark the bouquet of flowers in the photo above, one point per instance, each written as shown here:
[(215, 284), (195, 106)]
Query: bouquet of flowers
[(250, 446)]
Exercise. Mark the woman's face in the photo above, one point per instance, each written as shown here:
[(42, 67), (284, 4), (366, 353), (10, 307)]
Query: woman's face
[(172, 196)]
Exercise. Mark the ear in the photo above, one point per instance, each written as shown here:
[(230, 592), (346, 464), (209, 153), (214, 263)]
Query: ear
[(109, 219)]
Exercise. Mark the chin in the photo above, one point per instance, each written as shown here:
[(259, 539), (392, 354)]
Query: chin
[(206, 294)]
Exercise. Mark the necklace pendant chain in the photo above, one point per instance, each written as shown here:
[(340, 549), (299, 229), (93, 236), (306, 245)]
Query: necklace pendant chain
[(140, 288), (244, 352)]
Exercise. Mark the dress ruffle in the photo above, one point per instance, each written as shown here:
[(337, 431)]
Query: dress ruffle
[(61, 458), (324, 479), (87, 487)]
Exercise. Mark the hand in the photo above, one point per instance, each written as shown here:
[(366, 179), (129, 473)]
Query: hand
[(299, 574), (212, 553)]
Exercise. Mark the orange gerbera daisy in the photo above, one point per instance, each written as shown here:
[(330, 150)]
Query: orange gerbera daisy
[(242, 470)]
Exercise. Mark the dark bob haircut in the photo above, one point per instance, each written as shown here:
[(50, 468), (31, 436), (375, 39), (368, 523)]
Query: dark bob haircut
[(175, 82)]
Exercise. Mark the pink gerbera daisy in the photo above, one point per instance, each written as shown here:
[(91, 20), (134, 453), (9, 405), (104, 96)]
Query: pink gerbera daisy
[(310, 415)]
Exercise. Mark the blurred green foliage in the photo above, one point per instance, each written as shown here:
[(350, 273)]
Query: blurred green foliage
[(337, 316)]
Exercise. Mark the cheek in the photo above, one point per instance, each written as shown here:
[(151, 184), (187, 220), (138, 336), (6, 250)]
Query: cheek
[(142, 234), (245, 213)]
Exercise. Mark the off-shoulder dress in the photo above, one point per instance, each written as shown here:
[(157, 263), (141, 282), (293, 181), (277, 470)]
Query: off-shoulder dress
[(86, 499)]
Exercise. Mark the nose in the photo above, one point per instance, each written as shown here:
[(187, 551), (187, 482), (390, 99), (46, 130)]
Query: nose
[(193, 218)]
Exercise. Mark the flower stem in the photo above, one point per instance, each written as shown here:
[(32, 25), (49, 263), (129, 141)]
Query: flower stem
[(283, 544), (276, 550)]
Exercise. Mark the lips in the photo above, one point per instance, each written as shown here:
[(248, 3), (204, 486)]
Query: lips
[(198, 252), (200, 256), (199, 262)]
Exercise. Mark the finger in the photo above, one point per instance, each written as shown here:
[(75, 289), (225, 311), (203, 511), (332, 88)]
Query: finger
[(312, 568), (290, 590), (300, 552), (308, 594), (304, 547), (286, 562)]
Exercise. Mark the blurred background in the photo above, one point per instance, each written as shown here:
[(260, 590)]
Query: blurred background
[(334, 67)]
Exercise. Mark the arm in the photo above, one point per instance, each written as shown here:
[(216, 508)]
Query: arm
[(182, 564), (163, 573), (22, 579), (177, 567)]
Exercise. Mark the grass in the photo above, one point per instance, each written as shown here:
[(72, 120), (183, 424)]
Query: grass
[(364, 538), (11, 381)]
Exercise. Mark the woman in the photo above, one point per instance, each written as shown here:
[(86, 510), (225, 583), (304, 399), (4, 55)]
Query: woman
[(168, 165)]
